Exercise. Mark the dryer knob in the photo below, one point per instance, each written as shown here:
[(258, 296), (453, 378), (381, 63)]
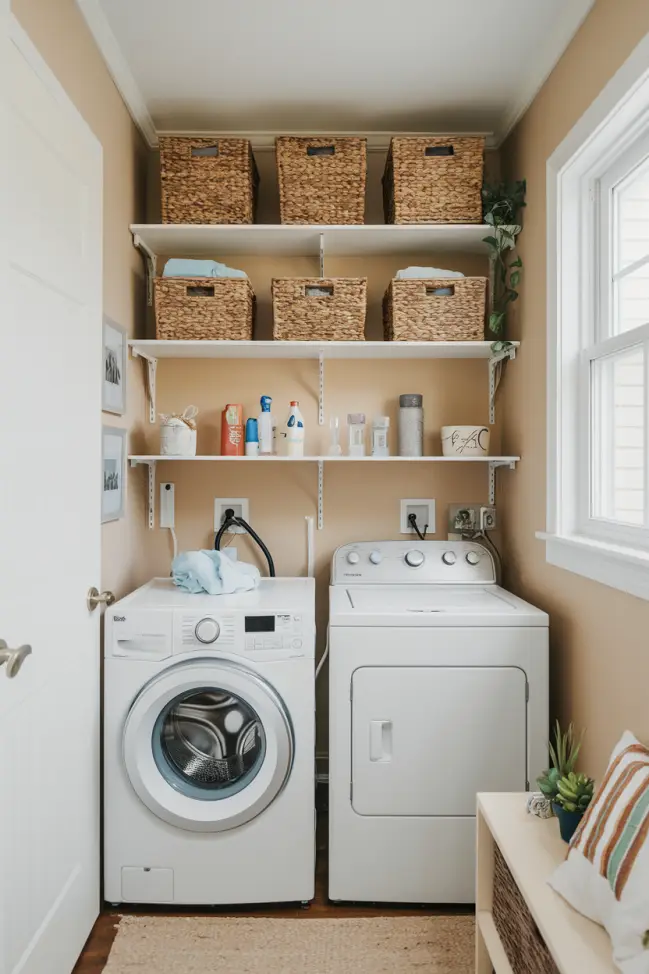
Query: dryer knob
[(376, 557), (473, 557), (415, 558), (353, 558), (448, 557), (207, 630)]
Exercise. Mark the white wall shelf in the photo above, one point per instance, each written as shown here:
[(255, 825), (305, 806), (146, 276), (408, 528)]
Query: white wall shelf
[(152, 350), (151, 460)]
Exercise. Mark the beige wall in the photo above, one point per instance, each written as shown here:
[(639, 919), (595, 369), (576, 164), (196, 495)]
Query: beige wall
[(58, 30), (600, 662)]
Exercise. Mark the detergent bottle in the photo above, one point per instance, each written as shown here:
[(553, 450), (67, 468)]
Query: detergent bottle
[(292, 434)]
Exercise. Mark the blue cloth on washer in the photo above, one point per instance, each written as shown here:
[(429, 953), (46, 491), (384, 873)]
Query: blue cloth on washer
[(212, 572), (179, 267)]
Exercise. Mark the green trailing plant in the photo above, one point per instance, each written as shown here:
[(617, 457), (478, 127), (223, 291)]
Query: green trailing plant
[(563, 757), (502, 204), (575, 792)]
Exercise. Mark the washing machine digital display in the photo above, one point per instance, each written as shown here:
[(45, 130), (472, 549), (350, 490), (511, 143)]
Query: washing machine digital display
[(260, 624)]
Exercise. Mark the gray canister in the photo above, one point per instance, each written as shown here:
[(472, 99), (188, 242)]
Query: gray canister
[(411, 425)]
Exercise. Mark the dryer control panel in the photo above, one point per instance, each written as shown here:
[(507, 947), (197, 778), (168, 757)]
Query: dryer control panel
[(417, 562)]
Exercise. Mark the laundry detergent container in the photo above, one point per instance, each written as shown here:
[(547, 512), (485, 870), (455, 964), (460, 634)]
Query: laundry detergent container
[(319, 309), (208, 181), (216, 308), (434, 180), (435, 309), (321, 180)]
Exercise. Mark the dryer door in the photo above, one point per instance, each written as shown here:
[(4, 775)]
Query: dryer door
[(208, 745), (427, 739)]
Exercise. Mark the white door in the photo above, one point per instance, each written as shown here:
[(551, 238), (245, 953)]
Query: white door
[(50, 423), (427, 739)]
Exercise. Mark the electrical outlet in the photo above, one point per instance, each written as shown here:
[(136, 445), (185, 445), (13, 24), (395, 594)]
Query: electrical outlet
[(238, 504), (463, 518), (487, 518), (424, 509), (167, 498)]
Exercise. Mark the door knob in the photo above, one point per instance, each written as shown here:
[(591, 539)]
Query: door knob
[(95, 598), (14, 658)]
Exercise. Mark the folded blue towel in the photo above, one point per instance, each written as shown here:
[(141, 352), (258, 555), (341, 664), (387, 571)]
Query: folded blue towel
[(424, 272), (179, 267), (212, 572)]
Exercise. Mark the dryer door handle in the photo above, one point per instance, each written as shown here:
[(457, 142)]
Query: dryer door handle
[(380, 740)]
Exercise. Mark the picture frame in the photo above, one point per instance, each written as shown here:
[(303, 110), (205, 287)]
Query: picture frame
[(113, 473), (113, 364)]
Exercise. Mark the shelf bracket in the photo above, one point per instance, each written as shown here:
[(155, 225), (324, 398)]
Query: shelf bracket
[(511, 464), (321, 388), (151, 369), (320, 495), (150, 260), (496, 363), (151, 489), (322, 254)]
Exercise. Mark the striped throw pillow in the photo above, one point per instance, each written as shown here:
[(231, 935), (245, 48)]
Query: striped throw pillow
[(606, 872)]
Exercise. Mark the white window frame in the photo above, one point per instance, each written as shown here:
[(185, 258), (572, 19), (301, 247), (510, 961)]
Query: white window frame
[(578, 241)]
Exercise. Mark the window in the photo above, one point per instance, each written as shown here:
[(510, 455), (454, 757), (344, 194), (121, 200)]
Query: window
[(598, 338)]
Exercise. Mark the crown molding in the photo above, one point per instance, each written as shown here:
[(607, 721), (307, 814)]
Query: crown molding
[(119, 70), (265, 141), (539, 68)]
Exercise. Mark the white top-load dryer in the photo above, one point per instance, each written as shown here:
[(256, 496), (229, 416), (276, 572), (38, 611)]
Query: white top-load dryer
[(438, 690), (209, 745)]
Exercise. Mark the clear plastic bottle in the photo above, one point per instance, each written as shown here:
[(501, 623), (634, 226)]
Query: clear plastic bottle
[(335, 449), (380, 428), (356, 430), (411, 425), (265, 427)]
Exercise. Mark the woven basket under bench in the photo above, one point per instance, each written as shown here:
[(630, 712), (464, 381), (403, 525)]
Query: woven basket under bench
[(434, 180), (208, 181), (208, 308), (321, 180), (440, 310), (319, 309), (525, 948)]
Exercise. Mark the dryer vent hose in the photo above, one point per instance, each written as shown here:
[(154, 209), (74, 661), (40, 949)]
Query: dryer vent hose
[(231, 520)]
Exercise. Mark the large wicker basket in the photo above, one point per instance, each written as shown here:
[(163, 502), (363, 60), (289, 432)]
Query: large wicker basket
[(437, 180), (321, 180), (319, 309), (208, 181), (526, 950), (216, 308), (440, 310)]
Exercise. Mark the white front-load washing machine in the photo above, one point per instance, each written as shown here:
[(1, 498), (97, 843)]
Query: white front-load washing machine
[(438, 683), (209, 745)]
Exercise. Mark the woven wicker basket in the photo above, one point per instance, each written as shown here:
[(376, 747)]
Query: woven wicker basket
[(436, 180), (321, 180), (214, 308), (414, 310), (319, 309), (208, 181), (525, 948)]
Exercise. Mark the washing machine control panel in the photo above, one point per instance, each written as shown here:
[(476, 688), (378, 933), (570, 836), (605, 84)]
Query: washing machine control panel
[(282, 630), (394, 562)]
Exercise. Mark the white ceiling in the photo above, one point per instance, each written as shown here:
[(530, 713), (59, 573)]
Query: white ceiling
[(333, 65)]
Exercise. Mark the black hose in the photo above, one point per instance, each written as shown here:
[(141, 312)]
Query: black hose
[(230, 520)]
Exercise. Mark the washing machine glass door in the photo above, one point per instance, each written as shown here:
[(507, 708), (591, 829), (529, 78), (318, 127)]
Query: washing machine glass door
[(208, 745)]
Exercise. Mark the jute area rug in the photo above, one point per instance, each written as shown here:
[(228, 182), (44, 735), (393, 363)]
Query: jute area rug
[(232, 945)]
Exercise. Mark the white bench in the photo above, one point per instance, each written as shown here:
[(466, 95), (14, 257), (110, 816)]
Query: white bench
[(531, 849)]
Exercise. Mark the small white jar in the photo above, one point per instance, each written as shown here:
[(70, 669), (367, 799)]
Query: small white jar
[(380, 430)]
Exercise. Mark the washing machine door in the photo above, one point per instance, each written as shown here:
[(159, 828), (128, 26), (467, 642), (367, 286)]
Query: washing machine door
[(208, 745)]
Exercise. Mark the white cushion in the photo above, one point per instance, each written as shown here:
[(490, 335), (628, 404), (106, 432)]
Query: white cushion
[(606, 873)]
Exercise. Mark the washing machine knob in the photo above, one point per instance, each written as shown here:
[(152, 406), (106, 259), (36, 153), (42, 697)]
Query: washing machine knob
[(448, 557), (415, 558), (473, 557), (207, 630), (376, 557), (353, 557)]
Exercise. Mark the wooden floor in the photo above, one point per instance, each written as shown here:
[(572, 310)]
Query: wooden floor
[(97, 949)]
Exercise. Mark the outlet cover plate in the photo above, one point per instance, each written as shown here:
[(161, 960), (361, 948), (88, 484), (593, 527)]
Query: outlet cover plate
[(424, 508), (239, 505)]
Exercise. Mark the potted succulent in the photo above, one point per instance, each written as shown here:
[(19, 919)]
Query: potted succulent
[(575, 793), (563, 755)]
